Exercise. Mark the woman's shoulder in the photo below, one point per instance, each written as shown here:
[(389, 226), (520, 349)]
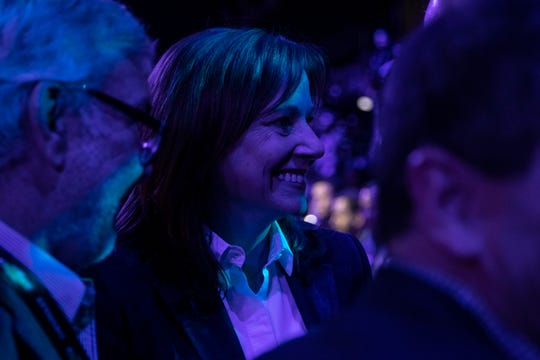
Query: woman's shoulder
[(327, 235), (342, 252)]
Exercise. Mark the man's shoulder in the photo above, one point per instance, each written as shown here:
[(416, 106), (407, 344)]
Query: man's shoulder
[(380, 326)]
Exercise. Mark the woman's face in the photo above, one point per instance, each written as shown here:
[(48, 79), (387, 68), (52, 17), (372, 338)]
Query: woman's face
[(264, 175)]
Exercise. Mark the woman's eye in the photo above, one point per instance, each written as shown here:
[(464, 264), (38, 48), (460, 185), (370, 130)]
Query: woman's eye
[(285, 123)]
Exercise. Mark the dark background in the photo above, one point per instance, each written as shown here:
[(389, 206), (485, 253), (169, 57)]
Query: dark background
[(344, 28)]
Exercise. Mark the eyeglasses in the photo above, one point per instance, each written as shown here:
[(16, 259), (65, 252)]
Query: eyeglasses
[(148, 147)]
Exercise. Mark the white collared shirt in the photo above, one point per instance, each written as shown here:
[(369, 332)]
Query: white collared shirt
[(269, 317), (64, 285)]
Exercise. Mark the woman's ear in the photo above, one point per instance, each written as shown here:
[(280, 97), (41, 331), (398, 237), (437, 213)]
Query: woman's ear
[(46, 124)]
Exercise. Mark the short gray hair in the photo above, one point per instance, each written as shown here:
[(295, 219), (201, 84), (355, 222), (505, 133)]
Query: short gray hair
[(66, 40)]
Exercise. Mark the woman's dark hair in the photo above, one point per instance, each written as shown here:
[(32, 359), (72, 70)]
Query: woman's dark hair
[(208, 88)]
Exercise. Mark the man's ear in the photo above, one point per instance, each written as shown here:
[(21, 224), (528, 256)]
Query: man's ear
[(445, 192), (46, 123)]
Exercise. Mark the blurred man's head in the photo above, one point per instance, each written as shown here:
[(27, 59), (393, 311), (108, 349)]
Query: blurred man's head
[(457, 153)]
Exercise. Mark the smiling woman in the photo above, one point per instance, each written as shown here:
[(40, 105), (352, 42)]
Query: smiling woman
[(217, 224), (264, 173)]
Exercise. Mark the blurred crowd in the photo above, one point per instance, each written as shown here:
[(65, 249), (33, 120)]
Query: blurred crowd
[(348, 210)]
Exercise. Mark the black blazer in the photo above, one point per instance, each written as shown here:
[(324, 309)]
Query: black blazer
[(140, 316), (399, 316)]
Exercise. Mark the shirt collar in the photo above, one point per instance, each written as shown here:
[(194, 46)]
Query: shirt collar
[(64, 285), (279, 249)]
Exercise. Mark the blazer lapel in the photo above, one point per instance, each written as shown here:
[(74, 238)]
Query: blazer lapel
[(315, 292), (316, 300), (211, 335)]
